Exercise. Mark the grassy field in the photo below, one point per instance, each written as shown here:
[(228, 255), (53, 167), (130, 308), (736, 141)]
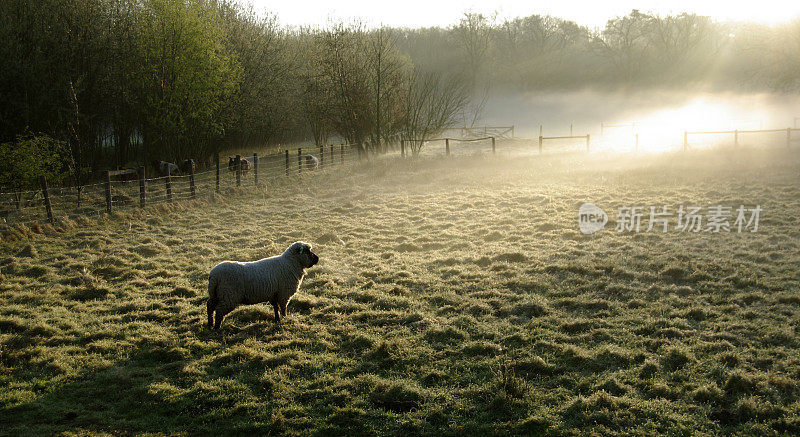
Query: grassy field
[(452, 296)]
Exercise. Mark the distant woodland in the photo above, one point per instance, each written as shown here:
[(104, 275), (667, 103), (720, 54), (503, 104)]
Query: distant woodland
[(99, 83)]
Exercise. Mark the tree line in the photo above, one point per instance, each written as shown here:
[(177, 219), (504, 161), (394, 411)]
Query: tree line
[(634, 51), (105, 83), (125, 82)]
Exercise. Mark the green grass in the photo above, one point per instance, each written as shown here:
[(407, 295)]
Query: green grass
[(452, 296)]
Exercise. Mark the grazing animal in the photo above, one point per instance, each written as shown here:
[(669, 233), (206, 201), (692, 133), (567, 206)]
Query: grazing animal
[(188, 165), (245, 163), (164, 168), (274, 280), (310, 162)]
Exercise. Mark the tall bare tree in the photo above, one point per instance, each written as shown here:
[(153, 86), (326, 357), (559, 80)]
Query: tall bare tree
[(433, 103), (387, 71)]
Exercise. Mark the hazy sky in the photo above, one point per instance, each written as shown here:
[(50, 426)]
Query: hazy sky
[(424, 13)]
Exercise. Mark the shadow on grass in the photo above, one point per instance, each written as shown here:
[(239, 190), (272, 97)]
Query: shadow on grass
[(148, 392)]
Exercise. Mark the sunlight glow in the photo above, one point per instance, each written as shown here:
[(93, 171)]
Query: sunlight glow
[(662, 130)]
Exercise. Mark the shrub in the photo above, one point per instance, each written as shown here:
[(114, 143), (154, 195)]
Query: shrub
[(25, 160)]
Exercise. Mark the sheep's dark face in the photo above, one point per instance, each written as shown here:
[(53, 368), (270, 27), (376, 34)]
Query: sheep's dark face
[(304, 254)]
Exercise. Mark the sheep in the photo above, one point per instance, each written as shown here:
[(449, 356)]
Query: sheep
[(310, 162), (244, 162), (188, 166), (275, 280), (164, 168)]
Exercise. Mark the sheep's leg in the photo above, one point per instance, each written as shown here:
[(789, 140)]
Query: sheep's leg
[(283, 308), (277, 316), (220, 314), (211, 305)]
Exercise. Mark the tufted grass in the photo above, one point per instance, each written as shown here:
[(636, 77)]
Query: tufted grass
[(452, 296)]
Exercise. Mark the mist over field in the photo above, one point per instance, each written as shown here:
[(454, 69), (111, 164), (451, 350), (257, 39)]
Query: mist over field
[(495, 226), (585, 110)]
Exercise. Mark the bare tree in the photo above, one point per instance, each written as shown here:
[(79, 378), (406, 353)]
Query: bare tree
[(386, 74), (433, 102), (784, 52), (682, 44), (473, 34), (344, 68), (624, 44), (314, 90)]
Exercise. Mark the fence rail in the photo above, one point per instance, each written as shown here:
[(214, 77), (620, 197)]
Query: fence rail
[(446, 143), (736, 134), (502, 132), (129, 188), (604, 125), (542, 139)]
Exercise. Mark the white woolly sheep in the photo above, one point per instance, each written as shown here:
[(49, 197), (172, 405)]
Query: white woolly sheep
[(164, 168), (310, 162), (275, 280)]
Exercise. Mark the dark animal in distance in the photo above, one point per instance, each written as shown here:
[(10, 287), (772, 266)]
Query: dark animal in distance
[(188, 166), (245, 163)]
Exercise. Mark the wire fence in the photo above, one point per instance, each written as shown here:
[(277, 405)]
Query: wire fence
[(130, 189), (50, 204)]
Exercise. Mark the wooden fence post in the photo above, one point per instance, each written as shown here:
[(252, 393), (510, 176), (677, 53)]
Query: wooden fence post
[(341, 153), (685, 141), (494, 149), (255, 168), (570, 129), (46, 196), (447, 146), (540, 130), (299, 159), (331, 155), (168, 182), (108, 191), (142, 188), (217, 162), (587, 143), (238, 164), (736, 138), (402, 148), (540, 144), (192, 188), (321, 155), (287, 161)]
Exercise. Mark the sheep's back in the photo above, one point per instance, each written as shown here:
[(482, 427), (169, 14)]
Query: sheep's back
[(255, 281)]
